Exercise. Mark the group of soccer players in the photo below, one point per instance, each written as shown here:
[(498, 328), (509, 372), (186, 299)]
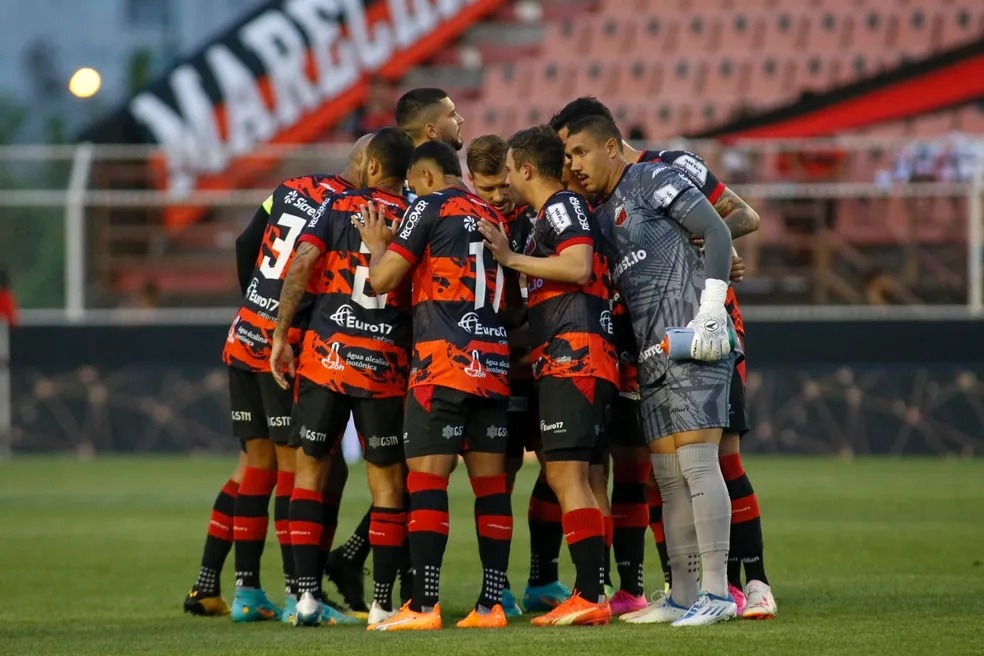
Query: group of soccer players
[(526, 313)]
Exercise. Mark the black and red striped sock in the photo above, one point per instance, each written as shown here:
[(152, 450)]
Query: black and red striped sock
[(218, 541), (656, 525), (387, 537), (630, 515), (356, 548), (546, 533), (746, 524), (428, 531), (306, 528), (329, 522), (494, 524), (281, 524), (609, 536), (584, 529), (251, 522)]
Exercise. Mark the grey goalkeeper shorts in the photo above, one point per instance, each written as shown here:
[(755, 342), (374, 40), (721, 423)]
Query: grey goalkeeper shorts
[(690, 396)]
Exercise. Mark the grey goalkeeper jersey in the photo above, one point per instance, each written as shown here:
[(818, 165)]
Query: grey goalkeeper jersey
[(656, 269)]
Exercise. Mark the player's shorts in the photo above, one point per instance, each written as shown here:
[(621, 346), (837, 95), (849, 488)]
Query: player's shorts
[(322, 416), (444, 421), (260, 408), (572, 417), (522, 419), (738, 423), (690, 396), (624, 427)]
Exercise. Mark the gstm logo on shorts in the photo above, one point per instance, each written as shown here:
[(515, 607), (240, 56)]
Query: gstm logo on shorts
[(313, 436), (552, 428), (376, 442), (278, 422), (493, 432), (452, 431), (346, 318), (472, 324), (242, 415)]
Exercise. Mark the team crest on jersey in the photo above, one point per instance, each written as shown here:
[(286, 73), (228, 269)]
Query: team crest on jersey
[(620, 215)]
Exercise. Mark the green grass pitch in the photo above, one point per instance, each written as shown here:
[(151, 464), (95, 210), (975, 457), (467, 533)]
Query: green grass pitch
[(873, 556)]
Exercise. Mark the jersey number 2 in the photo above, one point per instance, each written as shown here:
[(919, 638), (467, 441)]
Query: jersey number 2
[(359, 294), (282, 246)]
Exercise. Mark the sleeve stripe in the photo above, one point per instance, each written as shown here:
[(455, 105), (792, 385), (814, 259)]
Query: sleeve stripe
[(313, 240), (403, 252), (715, 195), (574, 241)]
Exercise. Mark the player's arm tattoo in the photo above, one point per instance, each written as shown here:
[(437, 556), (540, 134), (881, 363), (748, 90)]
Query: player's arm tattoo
[(740, 218), (295, 283)]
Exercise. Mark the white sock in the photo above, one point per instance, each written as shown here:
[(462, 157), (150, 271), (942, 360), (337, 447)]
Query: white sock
[(678, 526), (712, 513)]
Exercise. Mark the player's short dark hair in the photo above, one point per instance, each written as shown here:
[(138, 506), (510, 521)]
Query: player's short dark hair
[(414, 103), (441, 154), (577, 109), (486, 155), (541, 146), (597, 126), (392, 148)]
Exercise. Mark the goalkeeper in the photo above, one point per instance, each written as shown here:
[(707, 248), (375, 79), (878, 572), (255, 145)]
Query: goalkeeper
[(649, 213)]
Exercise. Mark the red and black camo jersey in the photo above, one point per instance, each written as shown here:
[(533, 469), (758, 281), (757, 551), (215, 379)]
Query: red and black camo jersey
[(458, 340), (287, 210), (570, 324), (519, 227), (357, 342)]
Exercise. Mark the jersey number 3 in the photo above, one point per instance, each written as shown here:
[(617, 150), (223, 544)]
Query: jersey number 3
[(282, 246)]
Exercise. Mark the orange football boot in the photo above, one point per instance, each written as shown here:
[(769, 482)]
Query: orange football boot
[(576, 611), (494, 619), (409, 620)]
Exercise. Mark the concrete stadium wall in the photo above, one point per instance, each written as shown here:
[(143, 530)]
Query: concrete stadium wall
[(821, 387)]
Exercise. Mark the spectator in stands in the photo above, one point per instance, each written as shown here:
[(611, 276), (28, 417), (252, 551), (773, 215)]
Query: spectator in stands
[(377, 112), (146, 298), (8, 305), (880, 288)]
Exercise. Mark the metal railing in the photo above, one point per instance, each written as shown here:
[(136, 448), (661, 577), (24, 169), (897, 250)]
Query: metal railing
[(113, 209)]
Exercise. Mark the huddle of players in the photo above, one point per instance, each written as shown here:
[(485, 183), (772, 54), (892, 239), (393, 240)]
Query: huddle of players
[(358, 354)]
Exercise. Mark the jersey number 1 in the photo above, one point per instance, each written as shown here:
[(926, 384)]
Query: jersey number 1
[(282, 246), (477, 250)]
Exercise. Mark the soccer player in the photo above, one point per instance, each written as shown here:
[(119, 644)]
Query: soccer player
[(426, 114), (260, 411), (353, 360), (574, 361), (650, 211), (486, 161), (459, 386), (746, 526)]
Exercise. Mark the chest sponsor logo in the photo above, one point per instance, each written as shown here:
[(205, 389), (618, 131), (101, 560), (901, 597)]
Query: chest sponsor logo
[(475, 368), (333, 361), (346, 317), (258, 299), (472, 324), (628, 261), (650, 352), (605, 320)]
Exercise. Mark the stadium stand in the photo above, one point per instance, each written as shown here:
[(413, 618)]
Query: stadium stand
[(670, 68)]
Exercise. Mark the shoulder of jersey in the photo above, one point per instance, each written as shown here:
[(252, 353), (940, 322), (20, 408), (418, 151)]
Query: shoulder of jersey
[(317, 185)]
